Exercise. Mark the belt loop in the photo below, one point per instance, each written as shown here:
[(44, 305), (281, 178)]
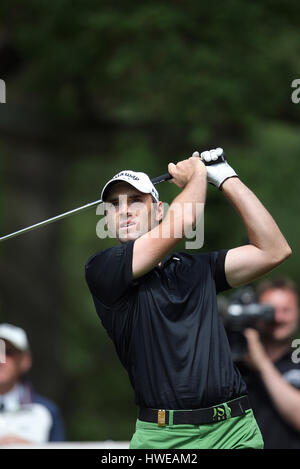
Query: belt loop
[(171, 413)]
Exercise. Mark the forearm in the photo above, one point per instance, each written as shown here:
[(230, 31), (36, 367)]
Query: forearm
[(186, 209), (183, 213), (286, 398), (262, 229), (11, 439)]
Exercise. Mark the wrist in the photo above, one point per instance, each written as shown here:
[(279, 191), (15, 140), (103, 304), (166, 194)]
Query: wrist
[(229, 182), (199, 174), (219, 173), (197, 180), (264, 364)]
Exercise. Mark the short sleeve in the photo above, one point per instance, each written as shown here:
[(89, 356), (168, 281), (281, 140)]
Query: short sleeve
[(217, 261), (57, 432), (109, 272)]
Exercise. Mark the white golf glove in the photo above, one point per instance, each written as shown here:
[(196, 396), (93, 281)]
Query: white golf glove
[(218, 170)]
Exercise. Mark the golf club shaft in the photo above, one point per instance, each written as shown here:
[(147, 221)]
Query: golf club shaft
[(156, 180), (49, 220)]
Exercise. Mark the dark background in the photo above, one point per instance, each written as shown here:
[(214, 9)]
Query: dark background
[(93, 87)]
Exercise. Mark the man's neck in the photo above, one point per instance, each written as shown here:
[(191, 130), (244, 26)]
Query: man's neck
[(6, 387)]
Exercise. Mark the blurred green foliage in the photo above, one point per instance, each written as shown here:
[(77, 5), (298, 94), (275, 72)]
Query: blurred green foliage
[(94, 87)]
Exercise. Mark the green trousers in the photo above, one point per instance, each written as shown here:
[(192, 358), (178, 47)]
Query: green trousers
[(240, 432)]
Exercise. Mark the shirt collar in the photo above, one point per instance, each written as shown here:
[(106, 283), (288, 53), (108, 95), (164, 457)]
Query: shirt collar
[(173, 257), (11, 399)]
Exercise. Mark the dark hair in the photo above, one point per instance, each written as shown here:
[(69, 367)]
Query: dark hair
[(280, 283)]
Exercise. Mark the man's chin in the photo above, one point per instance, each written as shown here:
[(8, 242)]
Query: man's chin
[(276, 336), (282, 337), (129, 237)]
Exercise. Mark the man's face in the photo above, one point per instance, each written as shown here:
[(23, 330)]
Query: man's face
[(286, 320), (130, 213), (16, 364)]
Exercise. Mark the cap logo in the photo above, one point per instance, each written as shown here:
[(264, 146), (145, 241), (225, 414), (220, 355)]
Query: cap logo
[(140, 181), (135, 178)]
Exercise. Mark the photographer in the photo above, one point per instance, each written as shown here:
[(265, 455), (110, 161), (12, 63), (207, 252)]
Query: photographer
[(271, 368)]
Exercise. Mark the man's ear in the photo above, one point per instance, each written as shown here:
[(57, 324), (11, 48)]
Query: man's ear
[(159, 212)]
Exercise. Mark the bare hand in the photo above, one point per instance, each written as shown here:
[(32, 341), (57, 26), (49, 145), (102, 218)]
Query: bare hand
[(184, 170), (13, 439), (256, 355)]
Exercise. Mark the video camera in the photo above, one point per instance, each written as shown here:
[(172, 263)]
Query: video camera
[(239, 312)]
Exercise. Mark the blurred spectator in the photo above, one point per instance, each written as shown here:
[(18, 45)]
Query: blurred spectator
[(271, 367), (25, 416)]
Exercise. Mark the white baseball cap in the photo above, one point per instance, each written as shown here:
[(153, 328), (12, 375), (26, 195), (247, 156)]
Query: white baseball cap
[(139, 180), (15, 335)]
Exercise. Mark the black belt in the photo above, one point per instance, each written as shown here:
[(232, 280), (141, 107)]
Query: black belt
[(203, 416)]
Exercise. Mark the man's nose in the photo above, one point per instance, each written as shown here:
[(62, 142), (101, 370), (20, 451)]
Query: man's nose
[(279, 315), (124, 206)]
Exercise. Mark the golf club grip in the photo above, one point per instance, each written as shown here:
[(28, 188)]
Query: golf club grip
[(161, 178), (167, 176)]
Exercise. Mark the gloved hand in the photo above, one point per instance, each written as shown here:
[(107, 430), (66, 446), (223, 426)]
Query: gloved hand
[(218, 170)]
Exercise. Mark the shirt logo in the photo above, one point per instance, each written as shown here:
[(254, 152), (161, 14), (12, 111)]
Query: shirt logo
[(292, 377)]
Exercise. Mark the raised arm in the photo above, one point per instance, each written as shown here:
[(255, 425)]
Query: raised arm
[(268, 247), (285, 397), (151, 248)]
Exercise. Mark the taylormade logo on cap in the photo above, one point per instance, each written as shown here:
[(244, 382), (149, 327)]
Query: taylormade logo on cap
[(139, 180)]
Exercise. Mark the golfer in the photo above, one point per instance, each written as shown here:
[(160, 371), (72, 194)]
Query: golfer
[(160, 307)]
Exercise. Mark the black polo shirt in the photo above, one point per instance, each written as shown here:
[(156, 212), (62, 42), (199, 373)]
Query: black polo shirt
[(166, 327), (276, 432)]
